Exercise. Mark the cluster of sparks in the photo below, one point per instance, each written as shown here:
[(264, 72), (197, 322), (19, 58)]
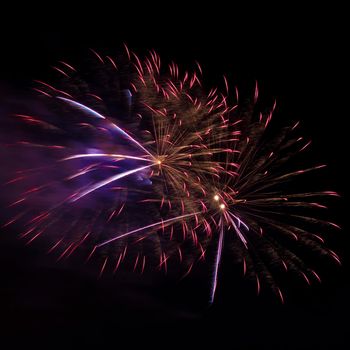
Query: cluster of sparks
[(177, 165)]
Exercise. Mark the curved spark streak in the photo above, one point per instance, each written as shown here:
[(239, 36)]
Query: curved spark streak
[(108, 181), (119, 156), (217, 263), (240, 222), (238, 231), (146, 227), (81, 106), (131, 139), (98, 115)]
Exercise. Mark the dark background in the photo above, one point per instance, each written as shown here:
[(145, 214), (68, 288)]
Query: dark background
[(298, 57)]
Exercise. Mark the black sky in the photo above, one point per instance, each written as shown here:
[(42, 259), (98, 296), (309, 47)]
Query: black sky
[(298, 57)]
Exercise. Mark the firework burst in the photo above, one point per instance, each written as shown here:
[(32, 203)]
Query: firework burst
[(255, 209), (134, 157)]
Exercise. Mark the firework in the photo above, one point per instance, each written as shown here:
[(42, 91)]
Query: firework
[(256, 211), (134, 157)]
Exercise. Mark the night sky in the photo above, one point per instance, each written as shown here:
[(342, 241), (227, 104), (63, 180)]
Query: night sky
[(298, 57)]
